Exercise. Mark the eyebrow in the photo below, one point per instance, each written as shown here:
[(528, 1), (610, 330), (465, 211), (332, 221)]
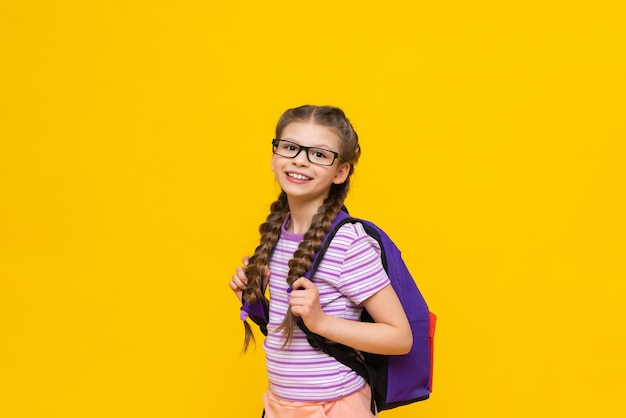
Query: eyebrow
[(326, 147)]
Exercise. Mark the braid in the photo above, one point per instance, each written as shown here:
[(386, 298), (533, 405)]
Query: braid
[(270, 232), (311, 243), (334, 119)]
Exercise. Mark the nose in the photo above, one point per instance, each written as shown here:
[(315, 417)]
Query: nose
[(301, 157)]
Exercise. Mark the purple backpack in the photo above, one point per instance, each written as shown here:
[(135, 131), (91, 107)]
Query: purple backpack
[(395, 380)]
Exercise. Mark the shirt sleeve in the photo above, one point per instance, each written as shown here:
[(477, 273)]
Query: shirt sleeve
[(362, 272)]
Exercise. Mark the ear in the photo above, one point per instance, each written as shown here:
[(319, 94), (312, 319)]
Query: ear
[(342, 173), (272, 163)]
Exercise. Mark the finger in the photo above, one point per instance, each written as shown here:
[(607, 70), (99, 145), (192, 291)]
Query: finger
[(301, 295), (245, 260), (237, 282), (302, 283), (295, 311), (297, 297), (241, 274), (234, 286), (266, 276), (266, 272)]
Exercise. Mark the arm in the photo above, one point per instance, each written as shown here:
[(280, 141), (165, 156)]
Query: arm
[(389, 334)]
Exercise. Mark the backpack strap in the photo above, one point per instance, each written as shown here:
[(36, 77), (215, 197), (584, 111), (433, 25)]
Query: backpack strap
[(258, 312), (341, 219), (342, 353)]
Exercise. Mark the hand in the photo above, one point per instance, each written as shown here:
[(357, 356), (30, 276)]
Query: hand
[(240, 280), (305, 303)]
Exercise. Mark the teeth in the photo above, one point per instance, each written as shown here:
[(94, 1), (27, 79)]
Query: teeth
[(297, 176)]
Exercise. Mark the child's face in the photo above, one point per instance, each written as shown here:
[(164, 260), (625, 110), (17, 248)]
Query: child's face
[(298, 177)]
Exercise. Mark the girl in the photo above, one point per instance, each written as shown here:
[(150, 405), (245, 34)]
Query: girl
[(314, 154)]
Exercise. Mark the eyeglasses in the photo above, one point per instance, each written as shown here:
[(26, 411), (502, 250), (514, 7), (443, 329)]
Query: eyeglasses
[(318, 156)]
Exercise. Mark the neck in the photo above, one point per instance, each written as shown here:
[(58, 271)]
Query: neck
[(301, 216)]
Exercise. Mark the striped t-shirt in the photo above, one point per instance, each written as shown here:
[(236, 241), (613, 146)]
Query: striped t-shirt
[(350, 272)]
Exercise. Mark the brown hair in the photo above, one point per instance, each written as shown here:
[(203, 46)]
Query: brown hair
[(334, 119)]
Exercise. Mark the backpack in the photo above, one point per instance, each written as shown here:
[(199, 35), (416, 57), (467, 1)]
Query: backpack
[(395, 380)]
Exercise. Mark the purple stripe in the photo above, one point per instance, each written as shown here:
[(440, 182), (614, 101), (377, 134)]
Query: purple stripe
[(361, 266), (317, 386), (306, 349), (362, 280), (330, 260), (332, 373), (367, 292), (316, 363)]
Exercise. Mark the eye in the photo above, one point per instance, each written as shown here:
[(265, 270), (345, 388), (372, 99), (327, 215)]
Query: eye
[(321, 154), (287, 146)]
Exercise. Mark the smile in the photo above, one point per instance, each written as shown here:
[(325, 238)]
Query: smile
[(298, 176)]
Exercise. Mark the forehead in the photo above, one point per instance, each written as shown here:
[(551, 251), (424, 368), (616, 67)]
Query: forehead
[(310, 134)]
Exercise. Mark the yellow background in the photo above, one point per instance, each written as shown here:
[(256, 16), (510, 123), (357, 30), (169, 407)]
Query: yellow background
[(134, 171)]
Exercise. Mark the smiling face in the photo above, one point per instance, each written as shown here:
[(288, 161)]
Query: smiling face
[(301, 180)]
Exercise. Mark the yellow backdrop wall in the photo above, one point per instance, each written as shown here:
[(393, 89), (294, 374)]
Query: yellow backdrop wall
[(134, 171)]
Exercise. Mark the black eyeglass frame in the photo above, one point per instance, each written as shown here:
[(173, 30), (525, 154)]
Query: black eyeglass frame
[(336, 155)]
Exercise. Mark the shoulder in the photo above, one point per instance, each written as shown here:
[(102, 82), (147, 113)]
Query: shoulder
[(352, 236), (362, 271)]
